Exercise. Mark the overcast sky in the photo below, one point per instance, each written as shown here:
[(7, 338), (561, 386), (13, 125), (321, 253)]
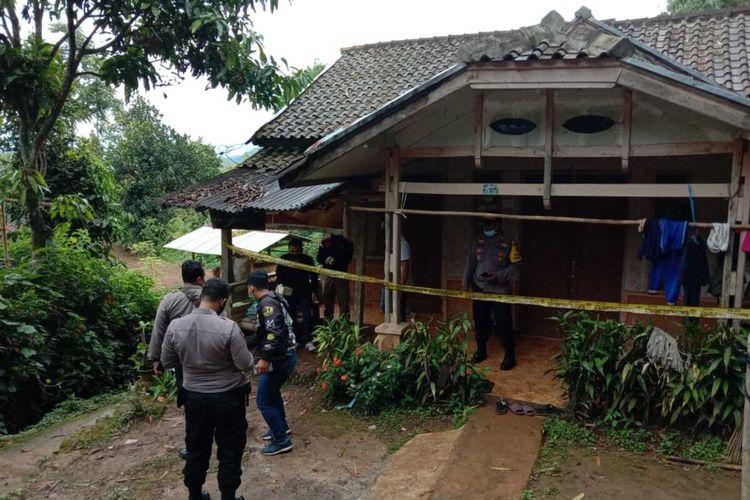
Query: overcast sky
[(306, 30)]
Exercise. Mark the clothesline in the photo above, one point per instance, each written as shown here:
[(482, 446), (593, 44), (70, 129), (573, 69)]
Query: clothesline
[(553, 218)]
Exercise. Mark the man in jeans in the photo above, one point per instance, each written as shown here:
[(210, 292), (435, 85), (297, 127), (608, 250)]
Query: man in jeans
[(275, 344), (214, 356)]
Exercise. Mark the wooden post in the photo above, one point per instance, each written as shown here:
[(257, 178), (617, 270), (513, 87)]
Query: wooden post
[(726, 285), (395, 166), (359, 232), (627, 119), (744, 218), (549, 126), (387, 250), (227, 258), (4, 230), (478, 129)]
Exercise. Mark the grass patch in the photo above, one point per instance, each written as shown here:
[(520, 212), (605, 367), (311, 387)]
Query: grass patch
[(62, 413), (559, 436), (702, 447), (133, 409), (634, 440)]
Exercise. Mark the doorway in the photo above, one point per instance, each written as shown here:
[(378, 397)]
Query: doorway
[(571, 260)]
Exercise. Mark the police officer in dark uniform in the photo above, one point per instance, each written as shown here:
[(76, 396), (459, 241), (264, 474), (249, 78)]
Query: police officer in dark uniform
[(275, 345), (491, 266)]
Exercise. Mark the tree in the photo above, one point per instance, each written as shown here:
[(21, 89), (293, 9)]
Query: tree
[(683, 6), (151, 160), (44, 46)]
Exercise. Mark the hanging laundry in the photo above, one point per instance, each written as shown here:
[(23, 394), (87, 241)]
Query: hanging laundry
[(650, 244), (666, 270), (718, 238), (717, 275), (695, 273)]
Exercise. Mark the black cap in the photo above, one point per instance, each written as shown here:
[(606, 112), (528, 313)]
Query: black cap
[(258, 279), (295, 242)]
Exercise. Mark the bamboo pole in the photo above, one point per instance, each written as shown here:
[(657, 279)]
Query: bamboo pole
[(537, 218)]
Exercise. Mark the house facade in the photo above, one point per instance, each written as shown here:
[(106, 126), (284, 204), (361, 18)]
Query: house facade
[(570, 130)]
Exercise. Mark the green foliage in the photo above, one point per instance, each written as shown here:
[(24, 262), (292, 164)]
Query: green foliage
[(151, 160), (559, 435), (426, 368), (684, 6), (164, 385), (701, 447), (68, 326), (606, 372), (632, 439)]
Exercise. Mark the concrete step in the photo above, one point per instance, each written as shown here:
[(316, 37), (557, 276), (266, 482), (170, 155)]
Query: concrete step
[(491, 456)]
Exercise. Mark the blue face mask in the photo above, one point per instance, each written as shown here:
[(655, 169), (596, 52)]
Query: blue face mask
[(490, 232)]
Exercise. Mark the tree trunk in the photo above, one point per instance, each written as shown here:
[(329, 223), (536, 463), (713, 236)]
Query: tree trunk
[(37, 222)]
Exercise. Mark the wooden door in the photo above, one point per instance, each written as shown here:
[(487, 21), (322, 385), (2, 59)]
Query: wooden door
[(570, 261)]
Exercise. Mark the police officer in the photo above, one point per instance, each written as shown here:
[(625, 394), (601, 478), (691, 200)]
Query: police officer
[(275, 345), (491, 265), (214, 356)]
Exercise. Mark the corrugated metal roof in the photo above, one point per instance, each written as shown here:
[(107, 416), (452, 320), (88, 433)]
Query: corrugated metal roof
[(207, 241), (252, 186)]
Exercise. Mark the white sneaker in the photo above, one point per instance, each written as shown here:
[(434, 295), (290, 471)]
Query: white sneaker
[(310, 346)]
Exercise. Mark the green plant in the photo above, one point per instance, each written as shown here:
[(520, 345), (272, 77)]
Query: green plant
[(427, 367), (634, 440), (68, 328), (707, 448), (164, 385), (607, 374), (671, 443)]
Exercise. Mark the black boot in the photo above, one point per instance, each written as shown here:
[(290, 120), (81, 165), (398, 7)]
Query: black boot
[(509, 361)]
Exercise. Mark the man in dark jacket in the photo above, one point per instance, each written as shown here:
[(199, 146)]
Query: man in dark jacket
[(275, 346), (302, 286), (213, 355), (335, 253), (492, 264)]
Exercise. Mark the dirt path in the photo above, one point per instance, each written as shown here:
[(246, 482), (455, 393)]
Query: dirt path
[(335, 457), (20, 461), (166, 275), (620, 475)]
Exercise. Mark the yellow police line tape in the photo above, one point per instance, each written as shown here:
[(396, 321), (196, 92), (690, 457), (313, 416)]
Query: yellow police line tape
[(583, 305)]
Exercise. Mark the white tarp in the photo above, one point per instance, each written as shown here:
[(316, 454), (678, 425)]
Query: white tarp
[(207, 240)]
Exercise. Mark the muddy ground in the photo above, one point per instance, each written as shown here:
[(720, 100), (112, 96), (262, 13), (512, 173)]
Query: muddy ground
[(336, 456), (612, 473)]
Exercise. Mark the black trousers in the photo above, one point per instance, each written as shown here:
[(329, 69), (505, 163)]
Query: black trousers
[(484, 313), (219, 416)]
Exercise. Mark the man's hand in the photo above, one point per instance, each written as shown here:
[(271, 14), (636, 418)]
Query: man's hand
[(315, 299), (158, 370), (330, 261), (261, 367)]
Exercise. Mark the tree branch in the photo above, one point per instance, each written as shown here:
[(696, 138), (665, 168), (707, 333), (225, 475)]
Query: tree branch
[(63, 39), (89, 73), (16, 24), (8, 34), (116, 39), (38, 18)]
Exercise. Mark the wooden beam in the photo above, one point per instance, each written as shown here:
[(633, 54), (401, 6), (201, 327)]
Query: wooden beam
[(388, 226), (395, 166), (227, 260), (583, 190), (560, 151), (726, 284), (627, 119), (359, 235), (549, 127), (478, 129), (535, 218), (695, 100)]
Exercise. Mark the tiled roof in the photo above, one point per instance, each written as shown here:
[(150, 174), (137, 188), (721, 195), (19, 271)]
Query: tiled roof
[(713, 42), (366, 77)]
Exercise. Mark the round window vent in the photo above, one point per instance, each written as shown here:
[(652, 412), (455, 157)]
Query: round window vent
[(589, 124), (513, 126)]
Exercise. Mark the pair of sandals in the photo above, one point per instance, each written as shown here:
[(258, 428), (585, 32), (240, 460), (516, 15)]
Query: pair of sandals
[(523, 408)]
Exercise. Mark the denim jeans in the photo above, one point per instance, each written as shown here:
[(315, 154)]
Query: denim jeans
[(268, 397)]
